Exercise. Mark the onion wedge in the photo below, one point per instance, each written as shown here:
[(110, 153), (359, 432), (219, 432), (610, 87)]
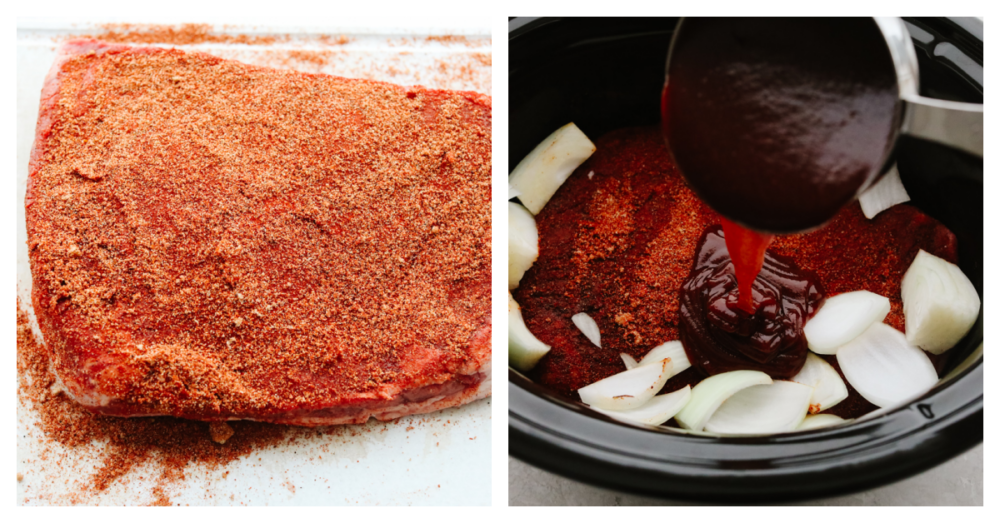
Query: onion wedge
[(762, 409), (842, 318), (540, 174), (818, 421), (888, 191), (656, 411), (522, 243), (708, 395), (828, 387), (627, 390), (512, 192), (940, 304), (523, 348), (630, 362), (671, 349), (884, 368), (588, 327)]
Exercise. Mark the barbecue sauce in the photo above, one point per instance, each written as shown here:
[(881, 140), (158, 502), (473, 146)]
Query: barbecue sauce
[(746, 248), (720, 335), (777, 123)]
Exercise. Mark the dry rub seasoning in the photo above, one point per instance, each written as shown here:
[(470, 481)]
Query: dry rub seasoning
[(213, 240)]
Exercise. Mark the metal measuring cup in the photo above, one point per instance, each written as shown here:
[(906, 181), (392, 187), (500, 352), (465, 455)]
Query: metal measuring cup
[(955, 124)]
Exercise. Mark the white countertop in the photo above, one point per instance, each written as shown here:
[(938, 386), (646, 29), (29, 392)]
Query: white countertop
[(956, 482)]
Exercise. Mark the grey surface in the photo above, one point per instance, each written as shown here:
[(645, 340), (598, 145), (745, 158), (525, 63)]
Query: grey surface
[(956, 482)]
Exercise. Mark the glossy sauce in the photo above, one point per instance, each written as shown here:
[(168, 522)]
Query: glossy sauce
[(719, 335), (746, 248), (778, 122)]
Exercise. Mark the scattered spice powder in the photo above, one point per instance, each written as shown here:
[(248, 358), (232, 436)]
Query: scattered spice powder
[(334, 40), (483, 58), (184, 34), (319, 58), (169, 444), (459, 70), (160, 497), (451, 40), (453, 68)]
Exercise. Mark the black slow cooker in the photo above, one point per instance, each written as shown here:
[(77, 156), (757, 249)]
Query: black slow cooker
[(605, 74)]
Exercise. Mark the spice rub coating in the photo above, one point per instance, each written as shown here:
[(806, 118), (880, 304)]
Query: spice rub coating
[(213, 240), (619, 246)]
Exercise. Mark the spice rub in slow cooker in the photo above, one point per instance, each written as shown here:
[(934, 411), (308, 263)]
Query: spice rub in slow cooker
[(213, 240), (619, 245)]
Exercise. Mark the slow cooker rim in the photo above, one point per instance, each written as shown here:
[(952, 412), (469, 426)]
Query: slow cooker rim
[(547, 446)]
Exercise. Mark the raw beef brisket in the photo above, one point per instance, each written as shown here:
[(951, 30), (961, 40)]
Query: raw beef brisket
[(213, 240)]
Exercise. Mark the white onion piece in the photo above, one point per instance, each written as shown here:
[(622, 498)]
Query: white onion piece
[(818, 421), (540, 174), (842, 318), (522, 243), (711, 392), (512, 192), (588, 327), (762, 409), (523, 348), (671, 349), (828, 387), (656, 411), (627, 390), (887, 192), (884, 368), (940, 304), (630, 362)]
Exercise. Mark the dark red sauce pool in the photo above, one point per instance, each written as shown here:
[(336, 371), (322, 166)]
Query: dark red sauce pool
[(721, 336), (620, 245)]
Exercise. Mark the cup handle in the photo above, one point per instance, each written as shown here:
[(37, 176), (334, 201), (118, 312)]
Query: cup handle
[(955, 124)]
